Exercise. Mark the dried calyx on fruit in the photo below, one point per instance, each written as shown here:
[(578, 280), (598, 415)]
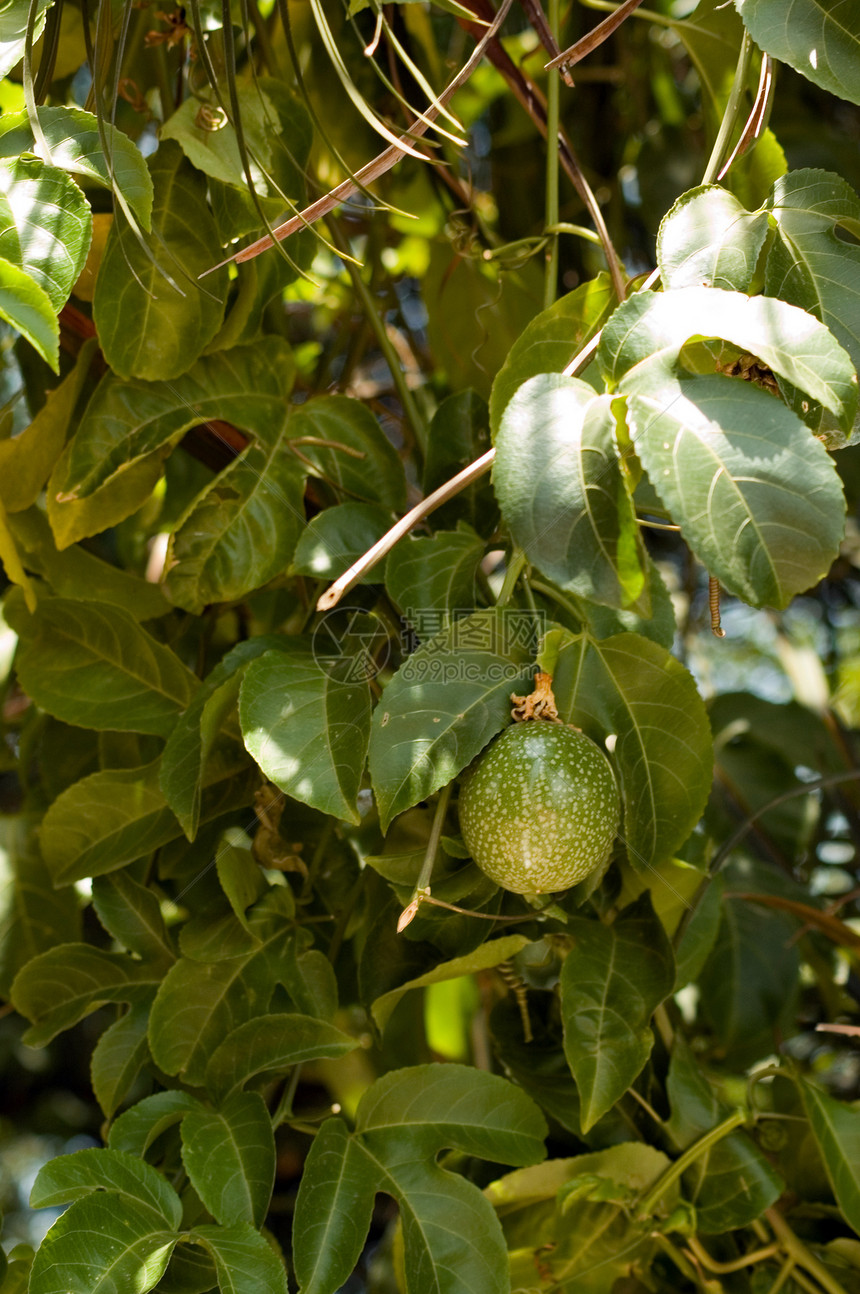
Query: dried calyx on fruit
[(539, 808)]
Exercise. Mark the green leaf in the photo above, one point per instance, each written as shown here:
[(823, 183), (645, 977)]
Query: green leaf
[(53, 225), (634, 688), (175, 317), (749, 982), (190, 744), (200, 1003), (73, 519), (836, 1128), (821, 41), (112, 818), (333, 1210), (127, 422), (229, 1155), (239, 874), (26, 461), (72, 1177), (732, 1183), (577, 1214), (15, 20), (59, 987), (101, 1244), (453, 1243), (708, 239), (563, 492), (338, 536), (307, 726), (699, 933), (444, 704), (78, 574), (91, 664), (728, 460), (136, 1129), (27, 307), (34, 917), (216, 152), (486, 956), (612, 981), (342, 442), (551, 340), (119, 1056), (641, 343), (244, 1260), (72, 136), (268, 1046), (429, 578), (132, 914), (240, 532), (808, 263), (458, 434)]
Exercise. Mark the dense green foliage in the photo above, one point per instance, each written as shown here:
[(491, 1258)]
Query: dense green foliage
[(324, 1050)]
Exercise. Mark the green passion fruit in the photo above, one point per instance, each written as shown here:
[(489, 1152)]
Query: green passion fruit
[(539, 808)]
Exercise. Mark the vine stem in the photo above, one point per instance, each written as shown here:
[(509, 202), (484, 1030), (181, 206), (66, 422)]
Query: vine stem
[(516, 566), (407, 400), (380, 164), (796, 1249), (553, 91), (423, 882), (648, 1203), (732, 112)]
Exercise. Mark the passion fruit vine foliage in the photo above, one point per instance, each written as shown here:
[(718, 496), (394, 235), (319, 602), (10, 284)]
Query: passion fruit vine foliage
[(326, 1041)]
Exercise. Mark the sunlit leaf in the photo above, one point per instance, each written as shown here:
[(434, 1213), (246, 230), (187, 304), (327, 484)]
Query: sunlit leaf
[(73, 139), (27, 307), (708, 239), (819, 40), (307, 726), (552, 340), (101, 1243), (53, 225), (563, 493)]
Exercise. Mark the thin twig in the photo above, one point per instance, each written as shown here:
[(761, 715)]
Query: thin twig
[(373, 170), (594, 38)]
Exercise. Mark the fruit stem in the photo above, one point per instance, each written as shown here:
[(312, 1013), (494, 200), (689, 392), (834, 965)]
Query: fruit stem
[(422, 885)]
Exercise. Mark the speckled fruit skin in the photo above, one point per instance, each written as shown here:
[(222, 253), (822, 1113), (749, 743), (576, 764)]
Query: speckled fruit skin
[(540, 808)]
